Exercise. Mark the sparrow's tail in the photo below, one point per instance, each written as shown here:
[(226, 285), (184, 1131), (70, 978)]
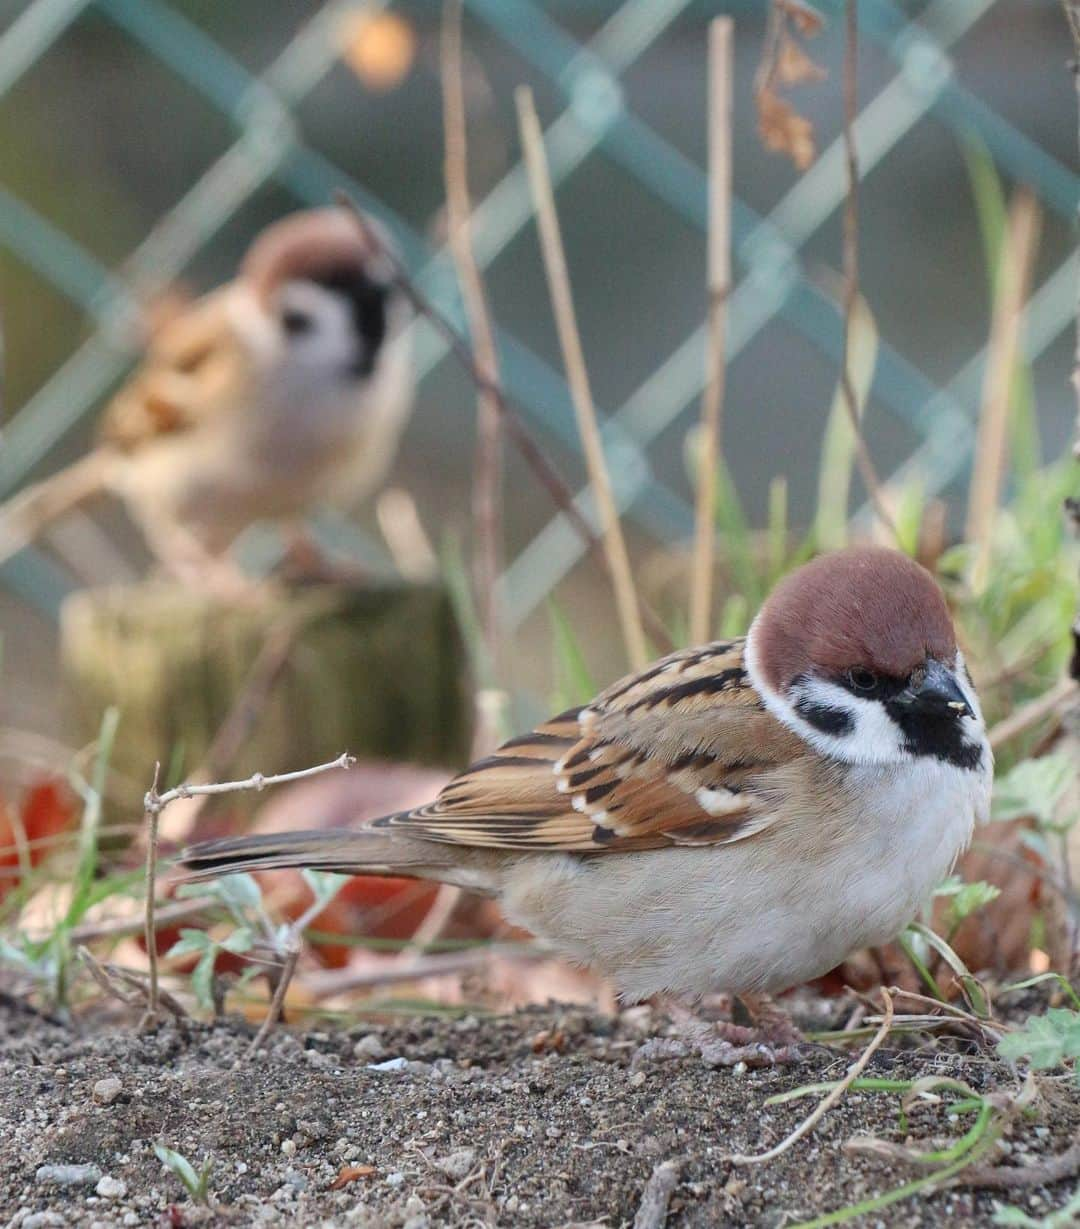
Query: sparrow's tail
[(360, 851), (32, 510)]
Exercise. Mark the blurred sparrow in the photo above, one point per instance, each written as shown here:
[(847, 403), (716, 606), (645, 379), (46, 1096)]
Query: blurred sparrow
[(738, 817), (284, 389)]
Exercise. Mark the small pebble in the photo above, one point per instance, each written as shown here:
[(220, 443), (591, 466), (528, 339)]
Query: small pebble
[(111, 1188), (42, 1220), (370, 1046), (107, 1090), (288, 1147), (637, 1079), (68, 1175), (395, 1179), (458, 1164), (391, 1064)]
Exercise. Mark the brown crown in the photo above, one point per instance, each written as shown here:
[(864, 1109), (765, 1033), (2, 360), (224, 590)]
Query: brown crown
[(312, 244), (867, 606)]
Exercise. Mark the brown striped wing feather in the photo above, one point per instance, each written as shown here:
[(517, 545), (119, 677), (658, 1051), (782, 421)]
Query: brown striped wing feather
[(193, 367), (679, 754)]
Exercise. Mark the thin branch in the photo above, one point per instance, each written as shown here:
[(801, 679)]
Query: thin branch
[(721, 32), (153, 805), (156, 802), (851, 268), (811, 1121), (509, 410), (652, 1212), (1014, 1177), (530, 451), (273, 1013), (562, 303), (1022, 719), (488, 468), (328, 983), (991, 446), (151, 818)]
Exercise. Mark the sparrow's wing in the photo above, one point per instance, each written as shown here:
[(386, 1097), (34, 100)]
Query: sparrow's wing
[(683, 753), (192, 367)]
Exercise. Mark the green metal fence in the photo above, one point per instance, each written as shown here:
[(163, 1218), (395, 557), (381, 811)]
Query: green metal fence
[(269, 145)]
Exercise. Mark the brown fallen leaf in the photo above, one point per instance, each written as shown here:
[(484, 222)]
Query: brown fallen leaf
[(350, 1173)]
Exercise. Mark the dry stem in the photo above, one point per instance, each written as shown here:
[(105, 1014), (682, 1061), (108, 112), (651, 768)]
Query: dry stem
[(811, 1121), (1010, 292), (153, 805), (721, 32), (562, 303), (1030, 714), (851, 267), (653, 1210), (488, 469)]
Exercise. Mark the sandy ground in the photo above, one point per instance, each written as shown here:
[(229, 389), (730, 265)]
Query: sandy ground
[(536, 1119)]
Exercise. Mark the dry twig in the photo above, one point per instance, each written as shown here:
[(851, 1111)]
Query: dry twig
[(721, 32), (562, 302), (811, 1121), (1010, 293), (488, 470), (851, 268), (153, 805), (653, 1210), (1030, 714)]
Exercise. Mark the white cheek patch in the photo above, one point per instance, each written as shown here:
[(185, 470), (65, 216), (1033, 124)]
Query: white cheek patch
[(873, 738), (330, 344)]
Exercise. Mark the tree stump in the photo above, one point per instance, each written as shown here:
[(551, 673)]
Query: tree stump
[(297, 677)]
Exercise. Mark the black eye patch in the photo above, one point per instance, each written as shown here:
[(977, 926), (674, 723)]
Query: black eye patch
[(295, 322), (868, 685), (825, 718)]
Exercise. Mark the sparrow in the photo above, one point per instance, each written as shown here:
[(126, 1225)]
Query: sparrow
[(737, 817), (286, 388)]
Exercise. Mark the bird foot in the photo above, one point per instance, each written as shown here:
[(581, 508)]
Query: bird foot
[(723, 1045)]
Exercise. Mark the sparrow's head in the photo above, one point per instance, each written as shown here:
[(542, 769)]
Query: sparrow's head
[(856, 653), (326, 289)]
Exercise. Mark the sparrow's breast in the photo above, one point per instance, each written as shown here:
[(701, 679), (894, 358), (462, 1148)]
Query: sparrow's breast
[(764, 913)]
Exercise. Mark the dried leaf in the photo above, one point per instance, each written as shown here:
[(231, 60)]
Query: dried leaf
[(783, 130), (807, 20), (794, 66), (350, 1173)]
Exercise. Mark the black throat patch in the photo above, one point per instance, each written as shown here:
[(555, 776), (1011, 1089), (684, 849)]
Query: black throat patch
[(937, 735), (367, 302)]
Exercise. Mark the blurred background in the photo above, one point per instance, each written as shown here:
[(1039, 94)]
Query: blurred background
[(143, 141)]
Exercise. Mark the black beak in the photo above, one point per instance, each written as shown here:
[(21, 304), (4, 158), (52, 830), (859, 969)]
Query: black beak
[(939, 692)]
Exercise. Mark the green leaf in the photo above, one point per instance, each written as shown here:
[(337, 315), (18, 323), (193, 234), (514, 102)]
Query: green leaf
[(839, 445), (1013, 1216), (180, 1167), (1034, 788), (190, 942), (324, 885), (970, 899), (573, 680), (239, 893), (1047, 1041), (242, 938), (202, 978)]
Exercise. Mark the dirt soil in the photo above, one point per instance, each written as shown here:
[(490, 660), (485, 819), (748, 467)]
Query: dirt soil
[(535, 1119)]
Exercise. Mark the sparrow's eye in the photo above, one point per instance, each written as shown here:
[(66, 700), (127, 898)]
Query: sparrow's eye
[(862, 680), (296, 323)]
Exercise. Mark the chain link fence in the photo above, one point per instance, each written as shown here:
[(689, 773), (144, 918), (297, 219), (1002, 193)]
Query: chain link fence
[(585, 56)]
